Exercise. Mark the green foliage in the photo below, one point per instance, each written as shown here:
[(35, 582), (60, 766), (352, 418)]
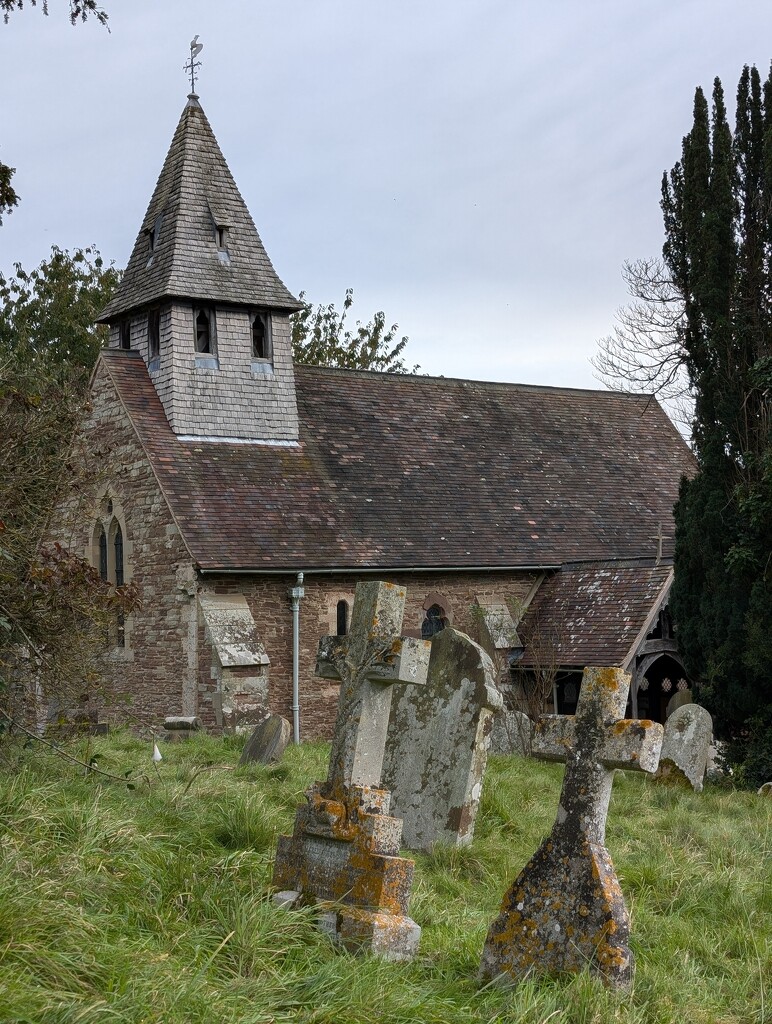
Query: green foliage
[(79, 9), (153, 904), (8, 197), (718, 252), (47, 314), (320, 337), (45, 592)]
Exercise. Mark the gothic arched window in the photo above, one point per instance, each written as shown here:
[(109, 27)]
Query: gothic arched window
[(341, 613), (102, 553), (434, 622), (118, 547)]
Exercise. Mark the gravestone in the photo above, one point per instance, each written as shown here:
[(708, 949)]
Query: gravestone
[(686, 746), (679, 698), (178, 728), (268, 742), (438, 741), (511, 734), (565, 910), (343, 854)]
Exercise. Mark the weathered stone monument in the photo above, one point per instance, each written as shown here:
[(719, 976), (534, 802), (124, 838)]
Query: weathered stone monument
[(178, 728), (512, 733), (344, 852), (565, 910), (438, 741), (268, 742), (686, 746)]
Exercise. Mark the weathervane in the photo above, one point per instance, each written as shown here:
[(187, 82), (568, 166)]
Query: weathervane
[(192, 64)]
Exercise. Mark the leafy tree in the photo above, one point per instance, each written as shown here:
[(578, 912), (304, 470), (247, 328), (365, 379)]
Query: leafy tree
[(47, 314), (54, 608), (702, 323), (79, 9), (321, 337), (8, 196)]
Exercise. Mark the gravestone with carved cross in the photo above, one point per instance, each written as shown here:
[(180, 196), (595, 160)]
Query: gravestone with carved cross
[(343, 854), (565, 910)]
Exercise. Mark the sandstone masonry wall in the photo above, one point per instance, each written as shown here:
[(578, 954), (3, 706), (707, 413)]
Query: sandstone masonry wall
[(155, 673), (270, 606)]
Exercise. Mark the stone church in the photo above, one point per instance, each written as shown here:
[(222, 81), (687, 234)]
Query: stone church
[(245, 496)]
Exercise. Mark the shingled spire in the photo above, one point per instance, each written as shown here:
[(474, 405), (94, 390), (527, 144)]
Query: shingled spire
[(198, 240), (201, 302)]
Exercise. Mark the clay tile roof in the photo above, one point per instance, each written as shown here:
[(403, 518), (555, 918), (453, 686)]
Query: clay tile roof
[(592, 614), (400, 471), (195, 190)]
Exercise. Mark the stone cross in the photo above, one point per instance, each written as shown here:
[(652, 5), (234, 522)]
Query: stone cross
[(565, 910), (368, 662)]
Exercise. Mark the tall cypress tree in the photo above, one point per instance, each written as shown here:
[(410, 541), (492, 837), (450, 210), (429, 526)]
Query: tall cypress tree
[(717, 209)]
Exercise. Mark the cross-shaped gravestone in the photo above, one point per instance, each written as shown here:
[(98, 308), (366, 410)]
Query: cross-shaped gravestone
[(565, 910), (343, 854), (368, 661)]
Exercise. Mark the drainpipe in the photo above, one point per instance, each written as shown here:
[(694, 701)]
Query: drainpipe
[(295, 594)]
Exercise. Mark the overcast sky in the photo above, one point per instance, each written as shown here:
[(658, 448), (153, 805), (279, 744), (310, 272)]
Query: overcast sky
[(478, 169)]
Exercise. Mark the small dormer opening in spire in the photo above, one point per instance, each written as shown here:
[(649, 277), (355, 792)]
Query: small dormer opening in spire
[(153, 235)]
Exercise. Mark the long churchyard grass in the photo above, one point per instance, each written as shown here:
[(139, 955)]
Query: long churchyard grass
[(152, 904)]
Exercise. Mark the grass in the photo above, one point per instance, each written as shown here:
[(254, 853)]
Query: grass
[(152, 904)]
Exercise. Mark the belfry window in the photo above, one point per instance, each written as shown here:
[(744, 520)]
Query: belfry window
[(153, 338), (203, 333), (125, 333), (261, 336)]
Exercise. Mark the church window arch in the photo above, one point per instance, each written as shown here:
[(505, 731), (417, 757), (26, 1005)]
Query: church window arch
[(203, 333), (437, 614), (102, 551), (434, 622), (342, 617), (110, 555)]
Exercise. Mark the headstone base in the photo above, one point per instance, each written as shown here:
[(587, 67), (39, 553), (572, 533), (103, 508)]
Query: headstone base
[(343, 857), (561, 914)]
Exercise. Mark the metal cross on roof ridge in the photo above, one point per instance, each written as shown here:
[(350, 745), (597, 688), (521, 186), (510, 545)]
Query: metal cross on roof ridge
[(191, 64)]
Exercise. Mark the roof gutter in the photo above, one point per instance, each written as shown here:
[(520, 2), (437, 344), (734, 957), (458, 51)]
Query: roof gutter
[(259, 571)]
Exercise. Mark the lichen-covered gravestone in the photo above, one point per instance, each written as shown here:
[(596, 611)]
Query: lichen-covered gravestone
[(511, 733), (268, 742), (438, 741), (565, 910), (686, 745), (343, 854)]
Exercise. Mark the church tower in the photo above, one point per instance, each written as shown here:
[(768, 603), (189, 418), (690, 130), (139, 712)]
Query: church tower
[(202, 303)]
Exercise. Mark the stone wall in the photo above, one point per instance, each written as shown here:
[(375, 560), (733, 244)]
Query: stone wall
[(155, 673), (242, 397), (270, 606)]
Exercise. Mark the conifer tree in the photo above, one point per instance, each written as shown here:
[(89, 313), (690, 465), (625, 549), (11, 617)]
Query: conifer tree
[(717, 208)]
